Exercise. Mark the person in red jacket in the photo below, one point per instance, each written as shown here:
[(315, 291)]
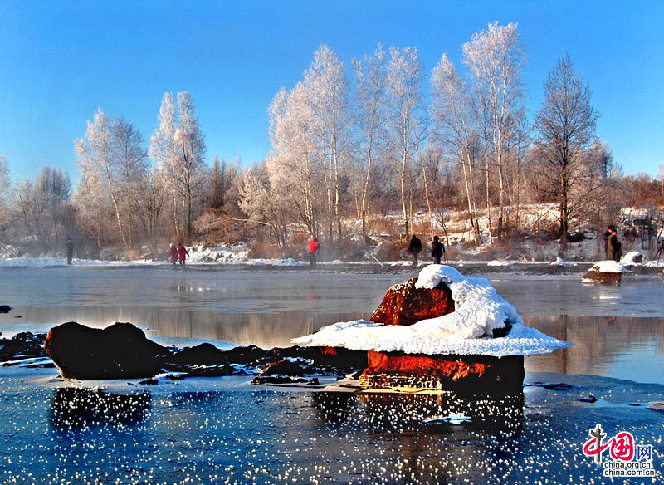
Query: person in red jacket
[(172, 253), (182, 254), (314, 247)]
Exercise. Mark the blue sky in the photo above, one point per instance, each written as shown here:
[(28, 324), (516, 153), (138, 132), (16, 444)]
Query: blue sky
[(60, 61)]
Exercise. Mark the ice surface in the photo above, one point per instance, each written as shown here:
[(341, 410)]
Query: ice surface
[(466, 331)]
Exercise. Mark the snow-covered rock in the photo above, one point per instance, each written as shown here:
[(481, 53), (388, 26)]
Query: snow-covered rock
[(466, 331), (632, 258)]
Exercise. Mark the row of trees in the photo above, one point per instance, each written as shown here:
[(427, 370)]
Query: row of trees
[(343, 148), (129, 195), (340, 149)]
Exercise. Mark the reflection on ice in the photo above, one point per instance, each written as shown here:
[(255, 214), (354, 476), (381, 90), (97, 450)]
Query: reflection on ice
[(483, 415), (74, 409)]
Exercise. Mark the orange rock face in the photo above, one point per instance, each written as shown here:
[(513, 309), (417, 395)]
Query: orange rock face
[(453, 372), (405, 305)]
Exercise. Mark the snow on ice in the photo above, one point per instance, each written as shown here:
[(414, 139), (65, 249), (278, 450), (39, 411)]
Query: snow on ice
[(466, 331)]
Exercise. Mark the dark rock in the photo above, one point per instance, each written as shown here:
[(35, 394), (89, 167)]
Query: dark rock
[(45, 365), (405, 305), (5, 308), (203, 354), (120, 351), (208, 354), (284, 368), (558, 386), (590, 399), (325, 359), (23, 345)]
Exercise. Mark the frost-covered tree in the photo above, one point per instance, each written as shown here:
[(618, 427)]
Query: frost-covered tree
[(178, 147), (256, 200), (326, 88), (44, 210), (496, 58), (113, 164), (370, 115), (5, 183), (453, 129), (564, 130), (405, 118), (295, 167), (5, 194)]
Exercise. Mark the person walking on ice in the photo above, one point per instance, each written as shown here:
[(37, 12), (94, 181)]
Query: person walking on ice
[(182, 254), (172, 254), (414, 247), (314, 247), (70, 250), (437, 250)]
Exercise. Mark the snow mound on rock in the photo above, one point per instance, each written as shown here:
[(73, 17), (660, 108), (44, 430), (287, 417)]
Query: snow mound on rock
[(466, 331), (632, 258), (609, 267)]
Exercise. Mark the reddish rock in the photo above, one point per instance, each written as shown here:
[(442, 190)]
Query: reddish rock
[(602, 276), (405, 305), (477, 373)]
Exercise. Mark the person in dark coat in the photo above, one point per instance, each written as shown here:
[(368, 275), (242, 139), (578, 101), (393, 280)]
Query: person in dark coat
[(70, 250), (182, 254), (414, 248), (437, 250), (613, 246), (314, 247)]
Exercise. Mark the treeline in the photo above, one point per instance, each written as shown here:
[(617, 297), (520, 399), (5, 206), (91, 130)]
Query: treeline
[(347, 150)]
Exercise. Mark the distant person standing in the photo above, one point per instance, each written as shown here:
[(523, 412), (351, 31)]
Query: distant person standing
[(314, 247), (414, 248), (437, 250), (172, 253), (70, 250), (182, 254), (613, 246)]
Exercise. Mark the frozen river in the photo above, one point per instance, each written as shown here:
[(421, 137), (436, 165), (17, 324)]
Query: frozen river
[(225, 431), (616, 329)]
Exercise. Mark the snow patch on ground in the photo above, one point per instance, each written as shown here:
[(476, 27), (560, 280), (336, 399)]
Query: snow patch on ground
[(497, 263), (466, 331), (561, 262)]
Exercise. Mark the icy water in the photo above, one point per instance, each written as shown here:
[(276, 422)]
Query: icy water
[(226, 431)]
